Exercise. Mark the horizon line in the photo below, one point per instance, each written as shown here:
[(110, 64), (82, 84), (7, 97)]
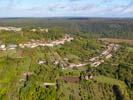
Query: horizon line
[(69, 17)]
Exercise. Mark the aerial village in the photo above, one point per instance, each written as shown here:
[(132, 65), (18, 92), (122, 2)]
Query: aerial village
[(33, 43), (10, 29), (36, 43), (110, 48)]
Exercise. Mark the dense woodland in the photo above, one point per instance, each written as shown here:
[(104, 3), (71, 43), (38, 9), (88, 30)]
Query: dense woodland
[(100, 27), (22, 77)]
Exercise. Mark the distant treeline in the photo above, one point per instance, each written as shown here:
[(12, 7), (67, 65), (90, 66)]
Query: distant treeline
[(101, 27)]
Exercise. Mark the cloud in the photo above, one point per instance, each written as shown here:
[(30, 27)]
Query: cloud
[(69, 7), (86, 7), (128, 6), (57, 6), (12, 4)]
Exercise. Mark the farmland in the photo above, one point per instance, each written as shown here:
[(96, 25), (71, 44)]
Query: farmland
[(114, 40)]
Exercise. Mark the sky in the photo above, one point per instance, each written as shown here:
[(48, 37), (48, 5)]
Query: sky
[(66, 8)]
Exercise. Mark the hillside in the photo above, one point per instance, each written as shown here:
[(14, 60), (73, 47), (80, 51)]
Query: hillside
[(97, 27)]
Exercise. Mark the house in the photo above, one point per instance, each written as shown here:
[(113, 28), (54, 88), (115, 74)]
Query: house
[(77, 65), (21, 45), (66, 59), (33, 30), (116, 47), (95, 64), (106, 52), (56, 62), (87, 77), (94, 59), (49, 84), (12, 46), (49, 45), (80, 65), (108, 56), (63, 68), (3, 47), (46, 30), (41, 62)]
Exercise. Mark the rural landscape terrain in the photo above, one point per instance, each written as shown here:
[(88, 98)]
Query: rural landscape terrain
[(66, 59)]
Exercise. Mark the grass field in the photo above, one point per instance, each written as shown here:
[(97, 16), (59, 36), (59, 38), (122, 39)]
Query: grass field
[(115, 40), (130, 49)]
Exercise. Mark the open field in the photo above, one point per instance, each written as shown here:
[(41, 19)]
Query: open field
[(115, 40), (130, 49)]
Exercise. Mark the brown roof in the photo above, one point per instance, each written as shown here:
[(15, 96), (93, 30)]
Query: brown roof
[(70, 79)]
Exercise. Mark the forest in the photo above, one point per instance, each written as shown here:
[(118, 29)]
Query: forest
[(98, 27)]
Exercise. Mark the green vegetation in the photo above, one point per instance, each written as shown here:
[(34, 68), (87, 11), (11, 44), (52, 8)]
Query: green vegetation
[(25, 72), (25, 35)]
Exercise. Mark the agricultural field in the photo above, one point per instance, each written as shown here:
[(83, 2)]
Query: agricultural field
[(114, 40)]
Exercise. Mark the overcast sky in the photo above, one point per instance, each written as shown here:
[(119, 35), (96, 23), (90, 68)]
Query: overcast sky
[(66, 8)]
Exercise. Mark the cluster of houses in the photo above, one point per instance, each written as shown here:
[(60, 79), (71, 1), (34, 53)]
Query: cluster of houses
[(16, 29), (40, 29), (4, 47), (36, 43), (65, 64), (10, 29), (96, 61), (77, 65)]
